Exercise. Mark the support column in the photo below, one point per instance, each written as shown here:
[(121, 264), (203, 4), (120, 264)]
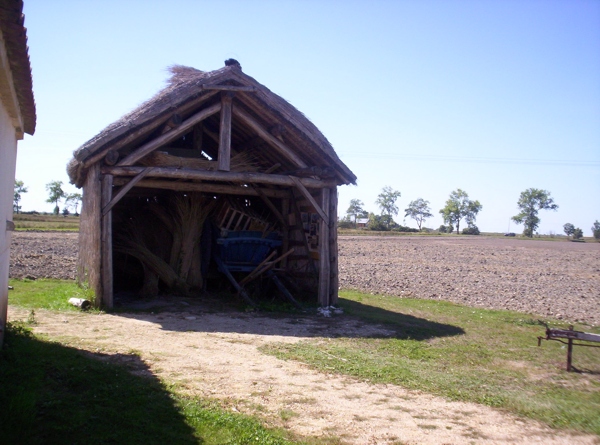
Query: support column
[(333, 247), (106, 244), (324, 260), (225, 132)]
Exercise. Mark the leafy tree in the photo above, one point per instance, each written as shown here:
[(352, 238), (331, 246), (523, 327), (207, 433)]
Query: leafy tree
[(19, 190), (530, 203), (55, 194), (596, 230), (419, 211), (471, 230), (459, 206), (356, 210), (386, 201), (569, 229), (73, 200), (446, 229), (577, 233)]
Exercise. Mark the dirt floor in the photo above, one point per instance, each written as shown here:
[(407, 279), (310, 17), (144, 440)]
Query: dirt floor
[(215, 353)]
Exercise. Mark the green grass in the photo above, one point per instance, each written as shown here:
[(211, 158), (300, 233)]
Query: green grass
[(46, 294), (460, 353), (53, 393), (25, 222)]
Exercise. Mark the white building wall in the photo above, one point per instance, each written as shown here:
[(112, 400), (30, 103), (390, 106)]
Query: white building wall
[(8, 158)]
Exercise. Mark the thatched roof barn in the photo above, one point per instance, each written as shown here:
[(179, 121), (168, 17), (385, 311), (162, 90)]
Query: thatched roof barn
[(212, 157)]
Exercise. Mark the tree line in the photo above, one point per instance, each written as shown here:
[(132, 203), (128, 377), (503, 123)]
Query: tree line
[(458, 208), (56, 194)]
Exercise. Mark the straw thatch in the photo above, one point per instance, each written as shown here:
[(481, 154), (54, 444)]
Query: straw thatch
[(188, 87)]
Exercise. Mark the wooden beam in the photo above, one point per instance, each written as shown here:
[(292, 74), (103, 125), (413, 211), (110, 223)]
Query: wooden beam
[(217, 189), (124, 190), (307, 195), (171, 135), (106, 245), (143, 130), (270, 205), (334, 283), (225, 132), (205, 175), (198, 136), (324, 260), (268, 137)]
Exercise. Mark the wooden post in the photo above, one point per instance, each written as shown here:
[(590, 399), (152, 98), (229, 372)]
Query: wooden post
[(285, 229), (333, 247), (225, 132), (324, 260), (106, 244), (569, 351)]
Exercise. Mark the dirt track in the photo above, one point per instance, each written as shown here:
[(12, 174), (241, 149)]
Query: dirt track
[(547, 279)]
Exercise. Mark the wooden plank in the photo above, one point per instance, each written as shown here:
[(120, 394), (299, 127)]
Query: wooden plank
[(268, 137), (218, 189), (285, 229), (308, 196), (271, 206), (125, 189), (324, 260), (169, 136), (145, 129), (333, 247), (225, 132), (106, 244), (205, 175)]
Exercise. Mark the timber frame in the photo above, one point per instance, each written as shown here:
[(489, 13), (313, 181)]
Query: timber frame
[(224, 136)]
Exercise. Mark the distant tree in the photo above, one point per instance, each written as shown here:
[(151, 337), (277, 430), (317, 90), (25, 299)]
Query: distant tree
[(577, 233), (596, 230), (19, 190), (381, 222), (386, 201), (446, 229), (530, 203), (569, 229), (73, 200), (471, 230), (356, 210), (55, 194), (418, 210), (459, 206), (65, 211)]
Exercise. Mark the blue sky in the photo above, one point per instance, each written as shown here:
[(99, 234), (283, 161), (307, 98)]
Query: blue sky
[(492, 97)]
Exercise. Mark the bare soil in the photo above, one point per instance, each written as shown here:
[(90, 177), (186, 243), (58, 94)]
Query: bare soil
[(215, 353)]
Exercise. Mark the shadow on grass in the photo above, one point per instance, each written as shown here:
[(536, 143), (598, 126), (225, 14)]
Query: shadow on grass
[(50, 393), (406, 326), (357, 321)]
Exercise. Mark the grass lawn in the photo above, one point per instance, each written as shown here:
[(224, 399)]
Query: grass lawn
[(461, 353), (52, 393)]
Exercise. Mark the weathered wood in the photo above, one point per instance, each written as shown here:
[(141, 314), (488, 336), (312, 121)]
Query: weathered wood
[(247, 89), (124, 190), (324, 260), (89, 260), (237, 177), (285, 230), (333, 247), (268, 137), (225, 132), (174, 121), (112, 157), (170, 136), (270, 205), (106, 247), (145, 129), (217, 189), (308, 196)]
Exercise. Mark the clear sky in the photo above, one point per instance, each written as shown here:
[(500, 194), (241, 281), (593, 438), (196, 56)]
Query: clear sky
[(426, 96)]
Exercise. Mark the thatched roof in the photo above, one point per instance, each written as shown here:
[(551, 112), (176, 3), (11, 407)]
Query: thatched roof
[(14, 35), (186, 91)]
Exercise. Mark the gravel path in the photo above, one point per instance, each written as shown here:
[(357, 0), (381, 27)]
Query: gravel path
[(548, 279)]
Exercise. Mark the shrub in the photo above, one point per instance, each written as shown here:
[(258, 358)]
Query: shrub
[(472, 230)]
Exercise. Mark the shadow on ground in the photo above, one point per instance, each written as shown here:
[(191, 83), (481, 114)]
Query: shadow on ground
[(358, 321), (50, 393)]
